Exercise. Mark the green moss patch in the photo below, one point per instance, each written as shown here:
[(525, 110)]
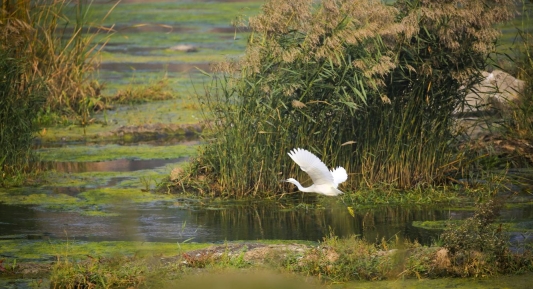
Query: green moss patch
[(112, 195)]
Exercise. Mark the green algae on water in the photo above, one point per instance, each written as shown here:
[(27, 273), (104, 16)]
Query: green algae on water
[(106, 196), (46, 250), (112, 152), (181, 13), (37, 197), (520, 226), (96, 202)]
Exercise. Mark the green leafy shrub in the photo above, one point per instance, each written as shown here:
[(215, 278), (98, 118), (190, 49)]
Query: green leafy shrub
[(479, 247), (344, 259)]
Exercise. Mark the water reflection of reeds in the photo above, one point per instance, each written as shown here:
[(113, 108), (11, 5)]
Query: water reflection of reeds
[(258, 221), (163, 223)]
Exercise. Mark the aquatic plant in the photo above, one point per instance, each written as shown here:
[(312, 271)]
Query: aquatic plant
[(139, 93), (21, 95), (61, 52), (368, 86), (476, 247), (44, 70)]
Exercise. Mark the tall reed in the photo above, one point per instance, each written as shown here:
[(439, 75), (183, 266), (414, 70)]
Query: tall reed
[(521, 118), (46, 59), (59, 48), (361, 84), (20, 97)]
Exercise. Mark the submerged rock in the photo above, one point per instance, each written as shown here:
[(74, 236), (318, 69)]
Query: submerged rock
[(184, 48)]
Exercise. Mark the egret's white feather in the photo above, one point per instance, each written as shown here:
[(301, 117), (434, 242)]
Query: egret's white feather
[(339, 175), (312, 165), (324, 181)]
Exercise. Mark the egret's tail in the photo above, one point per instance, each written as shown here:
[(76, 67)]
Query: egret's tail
[(339, 175)]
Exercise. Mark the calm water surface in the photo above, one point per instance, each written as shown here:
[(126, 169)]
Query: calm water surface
[(184, 220)]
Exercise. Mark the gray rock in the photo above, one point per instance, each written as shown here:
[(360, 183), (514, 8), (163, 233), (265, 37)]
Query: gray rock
[(495, 93), (184, 48)]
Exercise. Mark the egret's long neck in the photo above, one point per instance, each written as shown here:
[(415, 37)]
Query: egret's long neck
[(293, 181)]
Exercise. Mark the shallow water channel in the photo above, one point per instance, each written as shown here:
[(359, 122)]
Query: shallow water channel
[(163, 218), (169, 222)]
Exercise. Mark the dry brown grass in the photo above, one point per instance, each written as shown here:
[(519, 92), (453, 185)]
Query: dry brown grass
[(37, 32)]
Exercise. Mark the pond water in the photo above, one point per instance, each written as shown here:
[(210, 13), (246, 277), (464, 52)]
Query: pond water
[(167, 218), (184, 219)]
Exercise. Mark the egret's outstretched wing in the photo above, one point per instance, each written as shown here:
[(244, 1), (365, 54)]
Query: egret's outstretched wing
[(339, 175), (312, 165)]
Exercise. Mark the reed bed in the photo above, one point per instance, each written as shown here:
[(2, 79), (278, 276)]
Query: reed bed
[(368, 86), (46, 61)]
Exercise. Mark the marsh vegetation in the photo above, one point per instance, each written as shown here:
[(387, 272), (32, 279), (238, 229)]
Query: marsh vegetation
[(373, 87), (45, 74), (369, 86)]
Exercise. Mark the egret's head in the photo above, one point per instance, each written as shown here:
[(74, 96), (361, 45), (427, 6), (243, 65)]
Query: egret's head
[(292, 181)]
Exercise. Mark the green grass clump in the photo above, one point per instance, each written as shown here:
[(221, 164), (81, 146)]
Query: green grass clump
[(364, 85), (119, 270), (347, 259), (134, 94), (20, 96), (112, 272), (478, 246)]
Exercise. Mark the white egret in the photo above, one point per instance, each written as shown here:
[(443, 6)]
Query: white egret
[(325, 182)]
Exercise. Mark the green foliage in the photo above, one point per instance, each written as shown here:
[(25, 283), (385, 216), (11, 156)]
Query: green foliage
[(21, 97), (478, 232), (349, 258), (479, 247), (421, 262), (361, 84)]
